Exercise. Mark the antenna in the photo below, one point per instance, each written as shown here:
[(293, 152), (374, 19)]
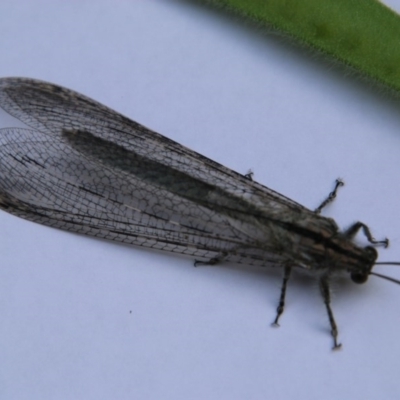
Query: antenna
[(388, 278)]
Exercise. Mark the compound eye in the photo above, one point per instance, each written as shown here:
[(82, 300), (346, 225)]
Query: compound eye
[(373, 254), (358, 277)]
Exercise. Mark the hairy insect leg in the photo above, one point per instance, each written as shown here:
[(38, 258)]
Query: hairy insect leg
[(326, 295), (281, 305), (353, 230), (331, 196)]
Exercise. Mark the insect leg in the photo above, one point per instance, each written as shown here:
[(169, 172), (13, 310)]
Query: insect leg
[(281, 305), (211, 261), (331, 196), (249, 175), (353, 230), (326, 295)]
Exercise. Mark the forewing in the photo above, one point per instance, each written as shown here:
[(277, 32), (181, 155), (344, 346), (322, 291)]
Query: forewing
[(87, 169), (51, 109)]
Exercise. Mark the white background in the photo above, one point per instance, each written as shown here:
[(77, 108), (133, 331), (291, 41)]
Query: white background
[(87, 319)]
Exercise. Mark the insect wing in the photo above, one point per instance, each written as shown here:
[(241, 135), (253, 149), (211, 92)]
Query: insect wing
[(85, 168)]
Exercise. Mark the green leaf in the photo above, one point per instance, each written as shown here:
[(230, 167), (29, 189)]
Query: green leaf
[(363, 34)]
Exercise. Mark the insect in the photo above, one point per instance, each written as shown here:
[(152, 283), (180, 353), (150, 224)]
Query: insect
[(82, 167)]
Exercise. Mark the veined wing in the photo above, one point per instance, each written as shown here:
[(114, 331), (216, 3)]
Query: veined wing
[(51, 109), (87, 169)]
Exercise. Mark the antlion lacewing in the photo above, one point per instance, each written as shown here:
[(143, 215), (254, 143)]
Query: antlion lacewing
[(82, 167)]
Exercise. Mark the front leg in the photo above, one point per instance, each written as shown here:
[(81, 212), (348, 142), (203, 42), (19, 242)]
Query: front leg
[(353, 230)]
